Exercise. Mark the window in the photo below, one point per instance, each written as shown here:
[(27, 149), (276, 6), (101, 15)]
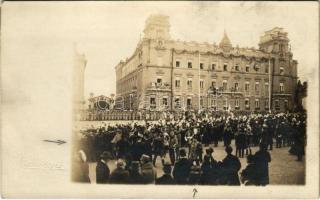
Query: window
[(177, 63), (177, 102), (152, 102), (266, 68), (247, 103), (225, 104), (237, 103), (201, 84), (159, 81), (236, 87), (286, 104), (256, 88), (247, 68), (189, 83), (247, 87), (213, 84), (165, 101), (266, 104), (177, 83), (189, 102), (213, 102), (257, 104), (213, 66), (276, 104), (201, 65), (224, 85), (225, 67), (189, 64), (256, 67), (281, 70), (266, 89), (201, 101), (281, 87), (237, 68)]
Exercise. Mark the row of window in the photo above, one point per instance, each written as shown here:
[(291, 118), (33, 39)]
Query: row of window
[(237, 67), (225, 85), (177, 103)]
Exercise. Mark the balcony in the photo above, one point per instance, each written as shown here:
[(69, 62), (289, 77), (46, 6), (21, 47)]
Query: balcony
[(154, 86)]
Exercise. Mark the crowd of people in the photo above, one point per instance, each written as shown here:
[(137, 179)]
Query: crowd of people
[(189, 142)]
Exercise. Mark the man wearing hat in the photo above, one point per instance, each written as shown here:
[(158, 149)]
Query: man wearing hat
[(102, 169), (262, 159), (230, 167), (119, 175), (182, 168), (166, 178), (148, 172)]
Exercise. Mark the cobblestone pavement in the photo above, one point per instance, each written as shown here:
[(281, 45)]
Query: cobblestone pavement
[(283, 169)]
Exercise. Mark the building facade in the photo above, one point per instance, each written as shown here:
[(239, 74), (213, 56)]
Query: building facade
[(167, 74)]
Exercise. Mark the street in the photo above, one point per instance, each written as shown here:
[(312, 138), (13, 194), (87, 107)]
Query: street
[(283, 169)]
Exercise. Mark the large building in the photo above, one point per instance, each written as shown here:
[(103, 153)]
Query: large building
[(168, 74)]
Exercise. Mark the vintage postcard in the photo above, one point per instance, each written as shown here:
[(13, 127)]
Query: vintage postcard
[(183, 99)]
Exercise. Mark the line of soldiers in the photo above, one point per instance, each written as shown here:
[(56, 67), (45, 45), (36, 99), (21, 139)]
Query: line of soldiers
[(131, 142)]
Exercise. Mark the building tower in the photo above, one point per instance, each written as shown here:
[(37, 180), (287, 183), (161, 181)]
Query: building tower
[(283, 68), (79, 66), (157, 27)]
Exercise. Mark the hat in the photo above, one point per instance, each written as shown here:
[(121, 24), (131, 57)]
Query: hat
[(209, 150), (106, 155), (228, 149), (182, 153), (135, 165), (144, 158)]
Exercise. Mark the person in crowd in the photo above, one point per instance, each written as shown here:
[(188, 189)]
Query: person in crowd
[(182, 168), (122, 147), (135, 176), (173, 142), (158, 148), (207, 171), (262, 158), (102, 169), (166, 178), (227, 135), (119, 175), (194, 175), (199, 152), (148, 172), (230, 165), (249, 174), (80, 172), (192, 132), (240, 141)]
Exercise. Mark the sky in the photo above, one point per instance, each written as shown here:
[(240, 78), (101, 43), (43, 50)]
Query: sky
[(42, 34)]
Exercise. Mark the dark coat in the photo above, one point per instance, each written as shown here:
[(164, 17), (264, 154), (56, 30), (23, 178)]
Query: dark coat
[(102, 172), (249, 175), (119, 176), (148, 173), (181, 171), (262, 159), (166, 179), (230, 167), (135, 178)]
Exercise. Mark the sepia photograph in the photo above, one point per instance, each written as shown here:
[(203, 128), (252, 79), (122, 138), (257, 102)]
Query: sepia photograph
[(160, 99), (210, 111)]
